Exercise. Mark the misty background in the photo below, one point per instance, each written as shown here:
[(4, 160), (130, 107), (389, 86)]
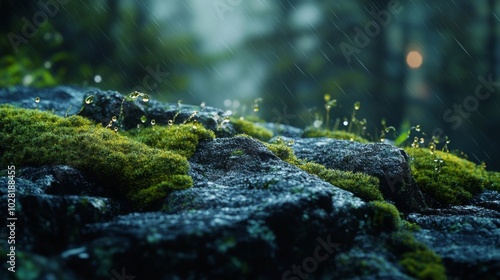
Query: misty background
[(428, 63)]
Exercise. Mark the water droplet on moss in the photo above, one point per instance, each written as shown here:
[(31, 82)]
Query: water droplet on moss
[(145, 97), (135, 94), (326, 97), (170, 122), (114, 118), (37, 99), (144, 119), (357, 105), (116, 129), (89, 99), (417, 128), (153, 122)]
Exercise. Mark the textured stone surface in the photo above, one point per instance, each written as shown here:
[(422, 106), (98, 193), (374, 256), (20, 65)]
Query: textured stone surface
[(384, 161)]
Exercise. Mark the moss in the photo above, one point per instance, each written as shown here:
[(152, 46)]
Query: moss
[(237, 153), (445, 178), (416, 258), (285, 153), (312, 132), (385, 216), (128, 168), (494, 181), (180, 139), (362, 185), (249, 128)]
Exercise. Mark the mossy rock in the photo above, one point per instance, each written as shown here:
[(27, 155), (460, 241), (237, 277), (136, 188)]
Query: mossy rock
[(385, 216), (251, 129), (417, 259), (362, 185), (447, 179), (128, 168), (312, 132)]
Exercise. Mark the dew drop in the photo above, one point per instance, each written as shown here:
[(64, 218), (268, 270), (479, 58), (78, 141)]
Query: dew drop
[(153, 122), (37, 99), (89, 99), (135, 94), (170, 122), (417, 128), (357, 105), (116, 129), (145, 98), (345, 123), (256, 107), (203, 105), (326, 97), (114, 118), (422, 140), (144, 119)]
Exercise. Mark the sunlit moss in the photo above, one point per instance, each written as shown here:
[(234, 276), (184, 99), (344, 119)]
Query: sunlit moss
[(251, 129), (181, 139), (362, 185), (445, 178), (416, 258), (312, 132), (128, 168)]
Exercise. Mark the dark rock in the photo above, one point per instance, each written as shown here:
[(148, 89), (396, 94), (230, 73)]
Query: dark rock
[(62, 100), (283, 130), (48, 218), (466, 237), (384, 161), (252, 218)]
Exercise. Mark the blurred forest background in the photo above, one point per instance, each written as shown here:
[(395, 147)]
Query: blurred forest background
[(422, 62)]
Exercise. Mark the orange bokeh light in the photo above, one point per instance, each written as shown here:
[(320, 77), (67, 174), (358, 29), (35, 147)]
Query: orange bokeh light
[(414, 59)]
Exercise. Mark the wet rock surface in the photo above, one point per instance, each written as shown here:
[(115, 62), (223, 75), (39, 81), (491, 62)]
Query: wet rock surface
[(384, 161), (249, 214), (466, 237)]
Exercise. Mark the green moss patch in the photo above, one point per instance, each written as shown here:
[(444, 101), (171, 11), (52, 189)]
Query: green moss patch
[(416, 258), (447, 179), (180, 139), (129, 169), (385, 216), (251, 129), (312, 132)]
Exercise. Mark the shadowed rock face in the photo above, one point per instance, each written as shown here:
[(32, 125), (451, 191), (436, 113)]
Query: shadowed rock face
[(384, 161), (249, 214)]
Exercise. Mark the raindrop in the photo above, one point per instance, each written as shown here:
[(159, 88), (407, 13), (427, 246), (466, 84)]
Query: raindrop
[(153, 122), (357, 105), (326, 97), (422, 140), (114, 118), (135, 94), (37, 99), (417, 128), (255, 107), (145, 97), (116, 129), (89, 99), (170, 122), (345, 123), (203, 105), (144, 119), (317, 123)]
